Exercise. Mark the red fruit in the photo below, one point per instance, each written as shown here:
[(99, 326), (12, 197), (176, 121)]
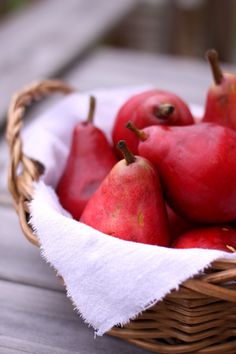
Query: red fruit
[(129, 204), (197, 166), (221, 97), (150, 108), (90, 159), (177, 224), (216, 238)]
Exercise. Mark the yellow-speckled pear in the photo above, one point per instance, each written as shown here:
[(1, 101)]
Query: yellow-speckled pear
[(129, 203)]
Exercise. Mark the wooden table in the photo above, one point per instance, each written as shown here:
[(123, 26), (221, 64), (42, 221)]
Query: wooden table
[(36, 317)]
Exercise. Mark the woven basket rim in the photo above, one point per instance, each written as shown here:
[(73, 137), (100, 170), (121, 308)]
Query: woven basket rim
[(21, 185)]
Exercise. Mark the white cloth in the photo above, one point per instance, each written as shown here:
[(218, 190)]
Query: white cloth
[(110, 281)]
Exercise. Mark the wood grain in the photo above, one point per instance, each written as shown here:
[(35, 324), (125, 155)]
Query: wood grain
[(42, 321), (4, 197), (9, 345), (19, 261)]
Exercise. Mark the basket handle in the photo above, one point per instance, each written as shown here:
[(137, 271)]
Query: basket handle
[(20, 183)]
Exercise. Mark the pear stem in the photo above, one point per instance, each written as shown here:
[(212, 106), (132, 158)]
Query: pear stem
[(128, 155), (138, 132), (212, 57), (92, 106), (231, 248), (164, 110)]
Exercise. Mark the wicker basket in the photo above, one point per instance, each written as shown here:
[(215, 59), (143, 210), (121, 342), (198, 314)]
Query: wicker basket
[(198, 318)]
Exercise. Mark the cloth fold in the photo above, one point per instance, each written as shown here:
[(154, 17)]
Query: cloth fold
[(110, 281)]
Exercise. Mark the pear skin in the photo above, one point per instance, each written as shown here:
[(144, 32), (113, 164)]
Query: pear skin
[(153, 107), (221, 238), (90, 159), (129, 204), (197, 166), (220, 104)]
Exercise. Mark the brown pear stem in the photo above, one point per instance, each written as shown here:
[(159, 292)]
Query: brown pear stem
[(92, 106), (231, 248), (139, 133), (164, 110), (212, 57), (128, 155)]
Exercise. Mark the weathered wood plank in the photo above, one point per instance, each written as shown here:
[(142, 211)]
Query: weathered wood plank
[(19, 260), (4, 197), (44, 39), (109, 67), (42, 321), (9, 345)]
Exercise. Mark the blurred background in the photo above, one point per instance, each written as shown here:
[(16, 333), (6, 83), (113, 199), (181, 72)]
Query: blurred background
[(179, 27)]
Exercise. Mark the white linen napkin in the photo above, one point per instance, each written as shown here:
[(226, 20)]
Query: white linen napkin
[(110, 281)]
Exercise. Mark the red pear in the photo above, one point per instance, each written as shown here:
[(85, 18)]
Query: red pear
[(154, 107), (221, 98), (129, 203), (217, 238), (90, 159), (197, 166)]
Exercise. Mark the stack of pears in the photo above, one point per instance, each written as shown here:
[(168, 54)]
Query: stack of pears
[(175, 183)]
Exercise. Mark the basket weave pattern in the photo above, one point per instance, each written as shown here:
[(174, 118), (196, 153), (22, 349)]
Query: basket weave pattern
[(198, 318)]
